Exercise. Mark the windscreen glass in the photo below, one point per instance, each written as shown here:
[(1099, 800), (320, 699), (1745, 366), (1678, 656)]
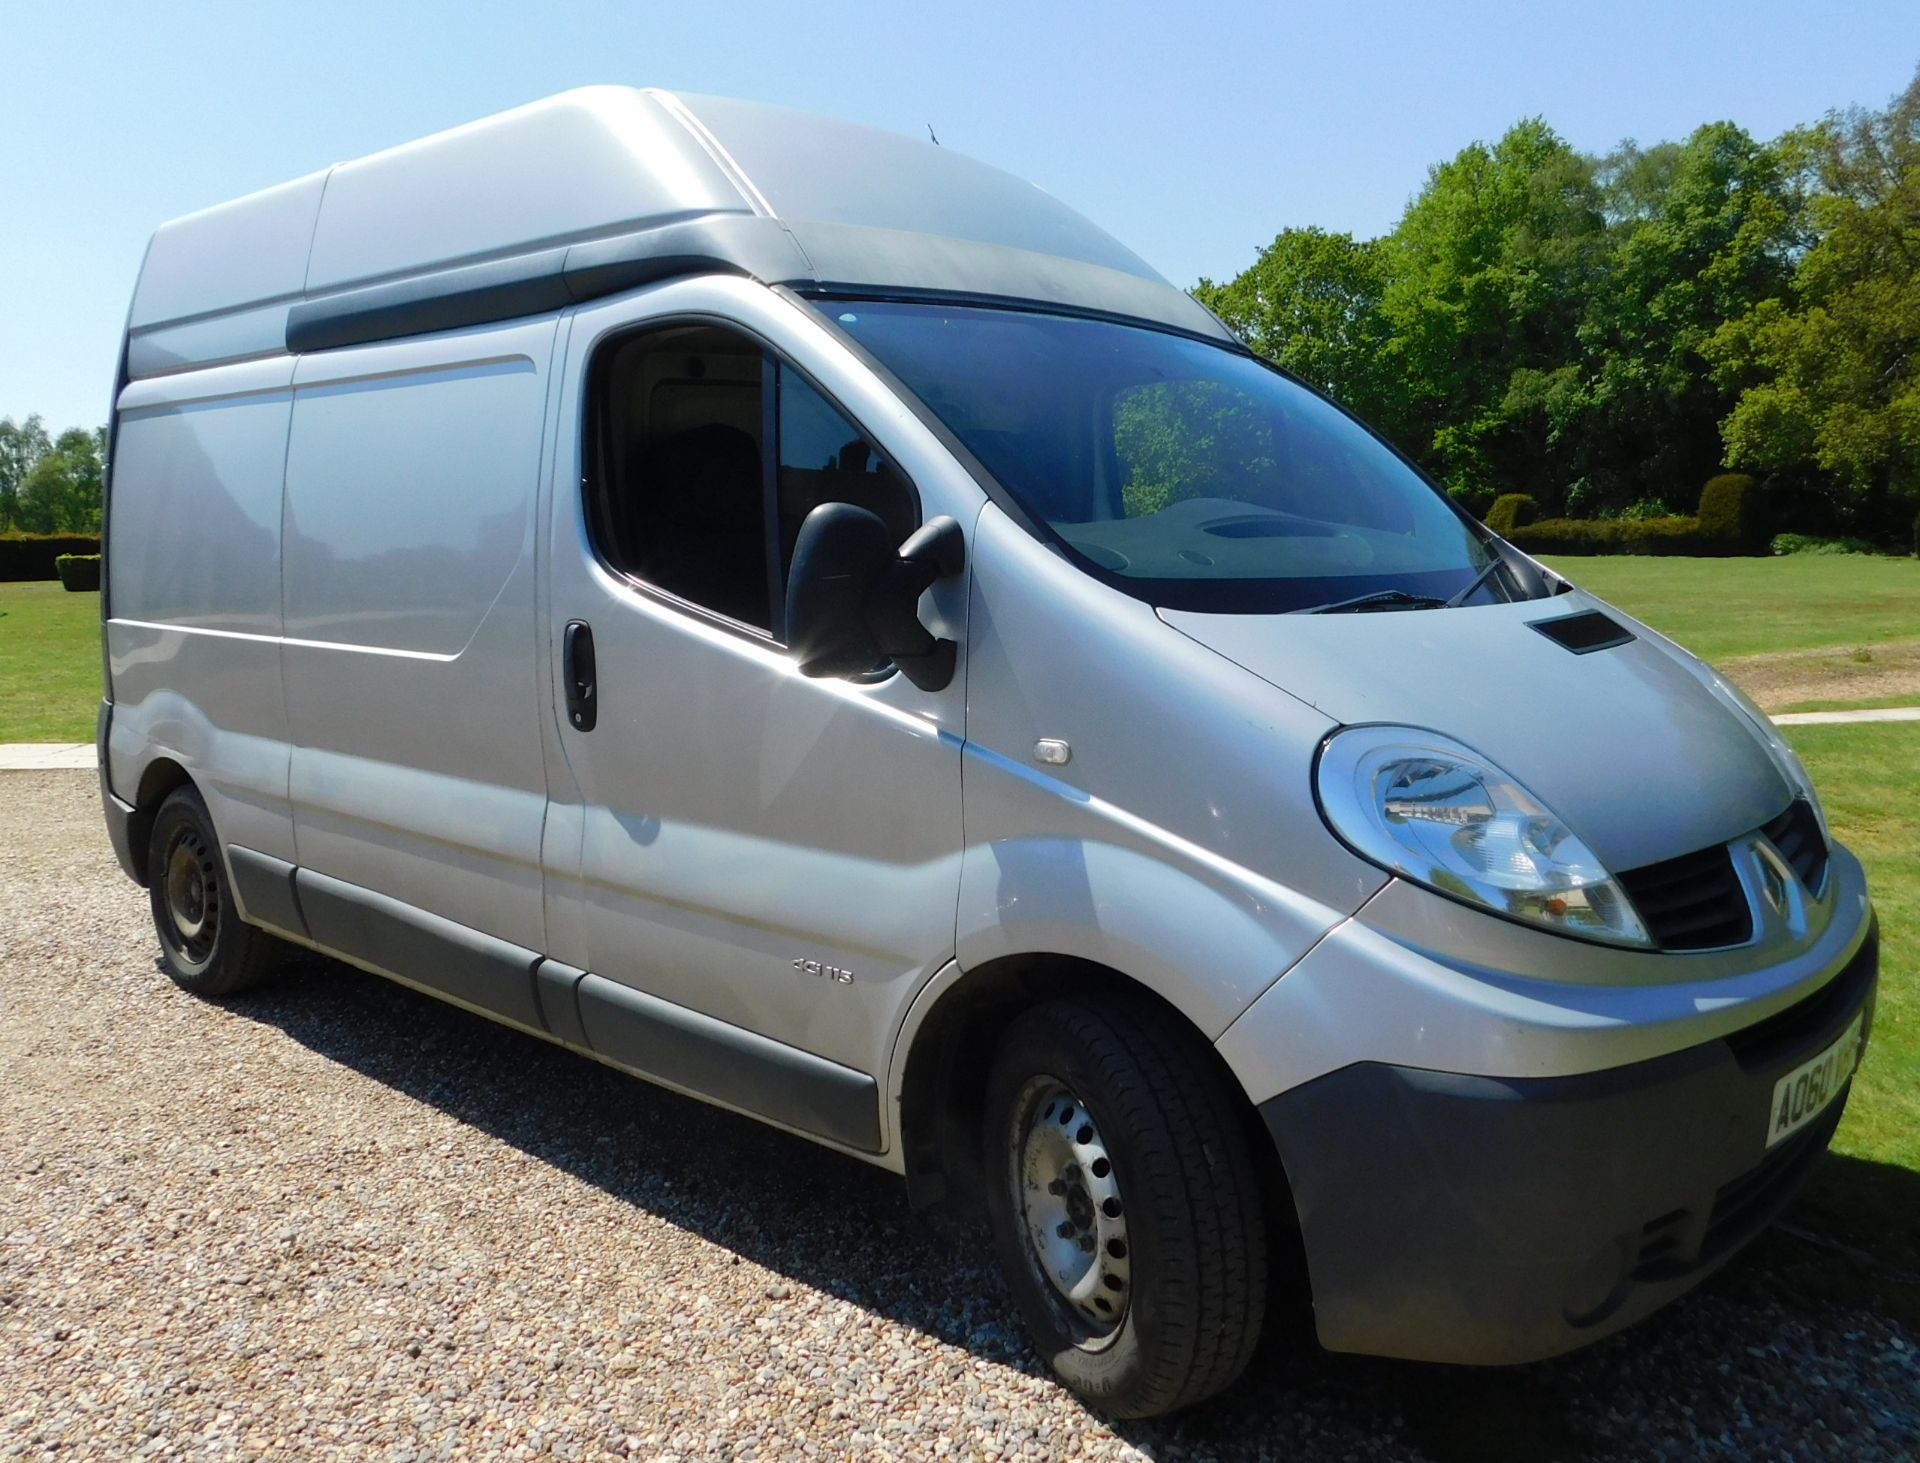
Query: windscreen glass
[(1191, 476)]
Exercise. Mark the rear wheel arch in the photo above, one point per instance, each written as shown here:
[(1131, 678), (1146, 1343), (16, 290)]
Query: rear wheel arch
[(162, 776)]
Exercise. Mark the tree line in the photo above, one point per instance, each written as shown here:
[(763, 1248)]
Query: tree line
[(50, 484), (1607, 332), (1603, 333)]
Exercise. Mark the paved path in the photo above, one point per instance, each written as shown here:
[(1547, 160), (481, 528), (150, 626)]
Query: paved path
[(45, 756), (54, 756), (1839, 718)]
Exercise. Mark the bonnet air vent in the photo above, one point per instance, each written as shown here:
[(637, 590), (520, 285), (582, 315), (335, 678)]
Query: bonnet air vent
[(1584, 633)]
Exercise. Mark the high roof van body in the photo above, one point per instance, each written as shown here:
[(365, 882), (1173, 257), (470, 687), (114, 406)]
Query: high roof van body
[(807, 619)]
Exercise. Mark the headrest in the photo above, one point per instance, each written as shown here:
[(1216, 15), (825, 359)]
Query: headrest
[(706, 477)]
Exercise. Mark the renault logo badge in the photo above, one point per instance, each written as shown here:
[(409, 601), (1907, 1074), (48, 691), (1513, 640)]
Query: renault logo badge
[(1773, 879)]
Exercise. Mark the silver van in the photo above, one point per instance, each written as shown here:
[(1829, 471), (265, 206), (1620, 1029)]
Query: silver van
[(805, 618)]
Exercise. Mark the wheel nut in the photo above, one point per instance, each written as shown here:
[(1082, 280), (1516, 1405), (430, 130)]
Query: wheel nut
[(1066, 1229)]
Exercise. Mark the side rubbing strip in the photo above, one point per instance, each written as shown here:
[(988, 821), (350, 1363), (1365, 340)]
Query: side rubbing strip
[(423, 949), (264, 885), (741, 1068), (557, 987)]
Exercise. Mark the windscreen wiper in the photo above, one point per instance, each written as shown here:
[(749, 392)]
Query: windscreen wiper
[(1479, 579), (1380, 599)]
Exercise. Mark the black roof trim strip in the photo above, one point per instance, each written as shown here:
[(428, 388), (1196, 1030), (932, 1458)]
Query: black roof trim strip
[(547, 279)]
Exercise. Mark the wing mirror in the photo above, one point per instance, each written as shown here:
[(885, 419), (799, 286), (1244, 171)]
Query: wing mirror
[(853, 599)]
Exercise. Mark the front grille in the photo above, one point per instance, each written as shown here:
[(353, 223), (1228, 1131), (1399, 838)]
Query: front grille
[(1693, 902), (1796, 835)]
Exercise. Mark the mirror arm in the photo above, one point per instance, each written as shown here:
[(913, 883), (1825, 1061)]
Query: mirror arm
[(938, 542), (891, 608), (936, 550), (893, 620)]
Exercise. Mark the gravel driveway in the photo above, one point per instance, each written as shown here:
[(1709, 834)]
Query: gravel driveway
[(341, 1220)]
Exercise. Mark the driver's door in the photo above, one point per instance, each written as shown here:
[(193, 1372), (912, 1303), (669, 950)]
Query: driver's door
[(756, 868)]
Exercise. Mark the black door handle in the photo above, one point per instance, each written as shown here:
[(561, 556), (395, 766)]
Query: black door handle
[(577, 669)]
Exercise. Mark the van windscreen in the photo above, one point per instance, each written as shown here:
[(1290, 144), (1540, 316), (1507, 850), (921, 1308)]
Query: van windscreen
[(1190, 476)]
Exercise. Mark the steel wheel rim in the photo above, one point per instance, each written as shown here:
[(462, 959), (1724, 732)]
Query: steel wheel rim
[(192, 895), (1071, 1211)]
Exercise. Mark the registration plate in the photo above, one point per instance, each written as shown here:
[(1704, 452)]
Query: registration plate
[(1801, 1095)]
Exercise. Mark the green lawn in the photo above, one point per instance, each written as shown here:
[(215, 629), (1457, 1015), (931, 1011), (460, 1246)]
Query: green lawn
[(49, 663), (1862, 1209), (1719, 608), (1869, 780)]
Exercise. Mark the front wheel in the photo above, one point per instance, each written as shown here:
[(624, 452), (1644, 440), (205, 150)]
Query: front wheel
[(206, 947), (1125, 1205)]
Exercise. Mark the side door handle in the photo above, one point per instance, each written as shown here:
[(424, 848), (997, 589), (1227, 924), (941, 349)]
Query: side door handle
[(577, 669)]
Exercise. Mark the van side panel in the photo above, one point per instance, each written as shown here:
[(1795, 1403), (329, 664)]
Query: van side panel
[(194, 586), (412, 685), (1130, 855)]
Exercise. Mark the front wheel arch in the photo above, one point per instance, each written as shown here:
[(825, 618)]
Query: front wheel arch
[(942, 1087)]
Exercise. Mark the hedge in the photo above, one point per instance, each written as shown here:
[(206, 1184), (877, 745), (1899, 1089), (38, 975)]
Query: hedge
[(1730, 511), (1806, 543), (1674, 535), (1511, 511), (1728, 523), (31, 555), (78, 571)]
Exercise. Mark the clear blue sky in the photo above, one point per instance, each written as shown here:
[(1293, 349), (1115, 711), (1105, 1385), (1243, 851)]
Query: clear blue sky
[(1194, 132)]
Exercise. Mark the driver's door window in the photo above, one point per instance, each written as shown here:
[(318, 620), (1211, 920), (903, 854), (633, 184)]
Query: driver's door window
[(688, 501)]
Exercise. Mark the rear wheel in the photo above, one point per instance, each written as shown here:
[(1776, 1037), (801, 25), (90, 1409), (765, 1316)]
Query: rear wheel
[(1125, 1204), (205, 945)]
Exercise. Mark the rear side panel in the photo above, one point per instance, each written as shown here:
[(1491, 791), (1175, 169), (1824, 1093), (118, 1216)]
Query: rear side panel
[(410, 658), (194, 591)]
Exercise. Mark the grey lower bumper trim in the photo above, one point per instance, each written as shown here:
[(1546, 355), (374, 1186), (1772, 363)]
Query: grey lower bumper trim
[(1472, 1219)]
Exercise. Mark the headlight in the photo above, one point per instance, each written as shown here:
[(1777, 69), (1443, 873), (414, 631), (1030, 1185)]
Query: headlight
[(1425, 807)]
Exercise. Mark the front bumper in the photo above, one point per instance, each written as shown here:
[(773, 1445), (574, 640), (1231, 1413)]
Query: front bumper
[(1496, 1220)]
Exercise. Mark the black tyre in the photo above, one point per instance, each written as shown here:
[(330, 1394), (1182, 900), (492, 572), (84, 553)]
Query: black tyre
[(204, 944), (1125, 1203)]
